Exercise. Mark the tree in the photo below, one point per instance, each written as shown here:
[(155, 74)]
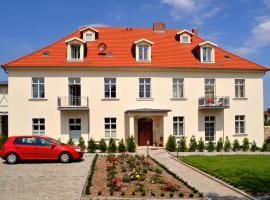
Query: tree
[(192, 144), (201, 145), (236, 145), (220, 144), (171, 144), (121, 146), (70, 141), (112, 148), (182, 144), (82, 143), (227, 145), (253, 146), (210, 146), (245, 145), (102, 146), (91, 146), (131, 146)]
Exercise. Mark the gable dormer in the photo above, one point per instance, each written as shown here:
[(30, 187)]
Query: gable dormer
[(143, 50), (75, 49), (89, 33), (185, 36), (207, 52)]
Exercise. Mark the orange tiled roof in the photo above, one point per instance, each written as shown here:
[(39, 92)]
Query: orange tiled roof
[(167, 51)]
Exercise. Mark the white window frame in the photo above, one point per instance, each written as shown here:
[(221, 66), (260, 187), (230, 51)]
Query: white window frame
[(238, 128), (182, 38), (209, 121), (39, 131), (38, 84), (80, 43), (178, 87), (238, 84), (144, 84), (179, 120), (148, 46), (212, 55), (110, 132), (109, 85), (85, 36), (207, 83)]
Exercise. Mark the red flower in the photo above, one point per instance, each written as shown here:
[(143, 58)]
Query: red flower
[(115, 159), (116, 180)]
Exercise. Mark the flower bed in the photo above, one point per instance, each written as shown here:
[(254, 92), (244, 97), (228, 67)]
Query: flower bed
[(136, 176)]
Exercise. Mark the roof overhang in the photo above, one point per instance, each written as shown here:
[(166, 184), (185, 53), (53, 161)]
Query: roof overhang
[(75, 39), (143, 40), (184, 31), (89, 27), (148, 110), (207, 43)]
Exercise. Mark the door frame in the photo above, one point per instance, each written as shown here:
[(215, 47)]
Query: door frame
[(148, 119)]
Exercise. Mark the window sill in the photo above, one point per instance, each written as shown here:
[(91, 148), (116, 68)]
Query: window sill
[(240, 135), (75, 60), (145, 99), (240, 98), (110, 99), (178, 136), (38, 99), (178, 99), (111, 138)]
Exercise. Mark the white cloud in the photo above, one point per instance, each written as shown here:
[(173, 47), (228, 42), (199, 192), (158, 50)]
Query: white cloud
[(95, 25)]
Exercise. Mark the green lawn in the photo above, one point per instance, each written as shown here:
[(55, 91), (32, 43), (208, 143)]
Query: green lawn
[(248, 172)]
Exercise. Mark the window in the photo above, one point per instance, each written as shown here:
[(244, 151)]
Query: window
[(145, 87), (25, 141), (42, 142), (178, 126), (38, 88), (209, 88), (38, 126), (239, 88), (185, 39), (75, 51), (143, 52), (89, 36), (110, 127), (209, 124), (178, 88), (75, 129), (239, 124), (207, 54), (110, 87)]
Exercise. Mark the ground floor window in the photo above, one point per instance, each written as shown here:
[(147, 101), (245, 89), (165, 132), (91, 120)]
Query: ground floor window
[(239, 124), (75, 129), (38, 126), (110, 127), (209, 128), (178, 126)]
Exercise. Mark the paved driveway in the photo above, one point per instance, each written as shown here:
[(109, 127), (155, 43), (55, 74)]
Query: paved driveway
[(42, 181)]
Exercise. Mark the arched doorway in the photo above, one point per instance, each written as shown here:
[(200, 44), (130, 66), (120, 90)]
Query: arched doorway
[(145, 131)]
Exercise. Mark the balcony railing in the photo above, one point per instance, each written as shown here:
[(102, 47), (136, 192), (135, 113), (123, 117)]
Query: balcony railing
[(72, 103), (214, 102)]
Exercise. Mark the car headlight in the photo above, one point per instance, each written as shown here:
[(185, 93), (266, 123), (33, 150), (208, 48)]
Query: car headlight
[(78, 150)]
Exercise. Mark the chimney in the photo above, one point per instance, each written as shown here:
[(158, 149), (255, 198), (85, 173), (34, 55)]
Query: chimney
[(159, 27), (194, 31)]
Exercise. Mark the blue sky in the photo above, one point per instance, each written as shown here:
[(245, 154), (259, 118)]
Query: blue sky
[(242, 26)]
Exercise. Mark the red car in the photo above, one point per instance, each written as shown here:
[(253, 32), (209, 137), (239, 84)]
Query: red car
[(18, 148)]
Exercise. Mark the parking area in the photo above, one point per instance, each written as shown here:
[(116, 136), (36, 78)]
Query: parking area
[(41, 181)]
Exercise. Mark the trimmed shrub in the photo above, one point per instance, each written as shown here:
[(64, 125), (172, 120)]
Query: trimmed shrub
[(131, 146), (171, 144), (82, 143), (112, 148), (70, 141), (121, 146), (236, 145), (245, 145), (201, 145), (266, 145), (227, 145), (91, 146), (192, 144), (102, 146), (182, 144), (210, 146), (220, 144), (253, 146), (3, 139)]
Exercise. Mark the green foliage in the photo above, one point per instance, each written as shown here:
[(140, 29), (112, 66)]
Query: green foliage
[(220, 144), (82, 143), (227, 145), (102, 146), (59, 140), (236, 145), (245, 145), (92, 146), (3, 139), (70, 141), (201, 145), (121, 146), (171, 144), (131, 146), (253, 146), (126, 178), (182, 144), (210, 146), (192, 144), (112, 148), (89, 179), (266, 145)]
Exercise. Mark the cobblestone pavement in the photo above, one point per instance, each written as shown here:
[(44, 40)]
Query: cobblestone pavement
[(209, 187), (43, 180)]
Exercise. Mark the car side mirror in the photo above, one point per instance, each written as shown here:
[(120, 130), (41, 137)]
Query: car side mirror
[(53, 146)]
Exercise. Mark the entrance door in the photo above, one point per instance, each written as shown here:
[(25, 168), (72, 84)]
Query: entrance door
[(75, 129), (4, 125), (74, 92), (145, 131), (210, 130)]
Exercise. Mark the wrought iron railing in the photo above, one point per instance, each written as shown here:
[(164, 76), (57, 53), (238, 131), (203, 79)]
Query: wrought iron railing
[(72, 102), (214, 102)]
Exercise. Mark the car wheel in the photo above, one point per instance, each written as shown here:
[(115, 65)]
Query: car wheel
[(12, 158), (65, 157)]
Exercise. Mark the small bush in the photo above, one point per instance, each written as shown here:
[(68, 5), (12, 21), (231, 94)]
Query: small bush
[(220, 144), (102, 146), (121, 146), (126, 178), (266, 145), (201, 145), (91, 146), (191, 195), (70, 141), (3, 139), (182, 144), (210, 146), (200, 194), (112, 148), (245, 145), (253, 146), (236, 145), (192, 144), (171, 195), (181, 195), (162, 194), (82, 143), (227, 145), (171, 144), (131, 146)]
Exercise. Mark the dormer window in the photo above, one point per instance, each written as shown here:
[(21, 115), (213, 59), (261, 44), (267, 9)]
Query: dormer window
[(185, 36), (75, 49), (185, 39), (89, 36), (89, 33), (207, 52), (143, 50)]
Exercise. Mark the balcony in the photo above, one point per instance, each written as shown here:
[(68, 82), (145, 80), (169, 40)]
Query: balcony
[(214, 103), (72, 103)]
